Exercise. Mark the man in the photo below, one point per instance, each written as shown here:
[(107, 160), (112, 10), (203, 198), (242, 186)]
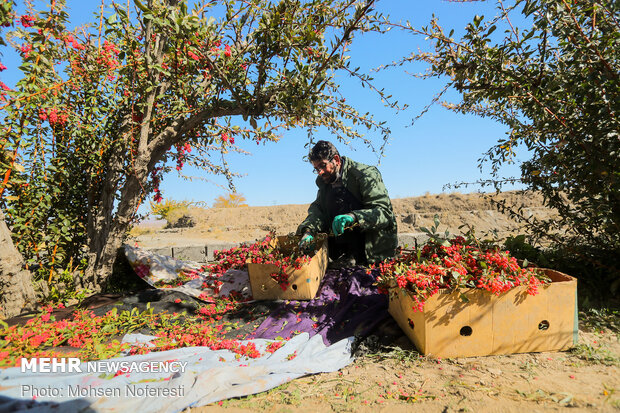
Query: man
[(353, 203)]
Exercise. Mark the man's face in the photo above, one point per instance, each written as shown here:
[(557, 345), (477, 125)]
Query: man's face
[(327, 170)]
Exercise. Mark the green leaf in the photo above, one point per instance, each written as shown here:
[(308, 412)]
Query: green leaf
[(463, 298)]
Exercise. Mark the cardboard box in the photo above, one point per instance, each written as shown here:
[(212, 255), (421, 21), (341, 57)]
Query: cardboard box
[(304, 282), (513, 322)]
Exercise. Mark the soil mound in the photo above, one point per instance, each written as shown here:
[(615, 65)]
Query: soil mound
[(457, 213)]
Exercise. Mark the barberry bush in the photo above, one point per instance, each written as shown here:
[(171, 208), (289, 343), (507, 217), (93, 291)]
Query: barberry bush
[(104, 111), (549, 71)]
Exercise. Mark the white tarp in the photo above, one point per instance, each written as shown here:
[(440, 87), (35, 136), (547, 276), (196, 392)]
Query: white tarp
[(208, 376), (154, 268)]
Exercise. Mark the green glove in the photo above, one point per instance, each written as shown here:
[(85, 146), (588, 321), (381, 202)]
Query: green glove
[(307, 242), (341, 222)]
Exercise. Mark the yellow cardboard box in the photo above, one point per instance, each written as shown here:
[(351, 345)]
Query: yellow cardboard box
[(513, 322), (303, 283)]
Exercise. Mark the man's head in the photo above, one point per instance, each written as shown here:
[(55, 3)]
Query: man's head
[(326, 161)]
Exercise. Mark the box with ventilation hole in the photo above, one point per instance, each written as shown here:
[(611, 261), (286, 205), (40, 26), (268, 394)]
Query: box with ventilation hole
[(486, 324), (303, 283)]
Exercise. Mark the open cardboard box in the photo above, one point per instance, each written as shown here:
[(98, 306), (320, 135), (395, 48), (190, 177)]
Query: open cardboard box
[(303, 283), (513, 322)]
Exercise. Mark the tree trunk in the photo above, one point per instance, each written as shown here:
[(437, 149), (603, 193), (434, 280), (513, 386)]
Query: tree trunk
[(100, 264), (108, 230), (16, 291)]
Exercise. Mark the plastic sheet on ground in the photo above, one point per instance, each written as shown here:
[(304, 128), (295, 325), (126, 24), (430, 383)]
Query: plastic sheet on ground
[(158, 270), (208, 377), (320, 334), (347, 304)]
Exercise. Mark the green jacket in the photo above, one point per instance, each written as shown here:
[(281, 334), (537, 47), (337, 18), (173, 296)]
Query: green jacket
[(376, 218)]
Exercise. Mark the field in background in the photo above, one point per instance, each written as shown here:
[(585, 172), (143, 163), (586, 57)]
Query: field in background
[(240, 224)]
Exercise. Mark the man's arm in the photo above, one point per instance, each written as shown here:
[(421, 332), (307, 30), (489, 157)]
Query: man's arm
[(376, 211)]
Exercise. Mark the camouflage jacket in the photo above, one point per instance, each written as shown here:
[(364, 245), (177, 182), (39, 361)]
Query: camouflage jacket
[(376, 217)]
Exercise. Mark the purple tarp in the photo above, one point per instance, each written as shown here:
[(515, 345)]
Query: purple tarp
[(347, 304)]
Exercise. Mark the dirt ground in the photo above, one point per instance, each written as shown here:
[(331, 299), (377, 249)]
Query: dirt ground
[(250, 223), (404, 382), (397, 378)]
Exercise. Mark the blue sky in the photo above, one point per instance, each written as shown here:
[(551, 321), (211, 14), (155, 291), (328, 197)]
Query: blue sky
[(441, 148)]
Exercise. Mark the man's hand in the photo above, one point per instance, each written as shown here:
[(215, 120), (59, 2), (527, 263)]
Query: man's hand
[(341, 222), (307, 242)]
